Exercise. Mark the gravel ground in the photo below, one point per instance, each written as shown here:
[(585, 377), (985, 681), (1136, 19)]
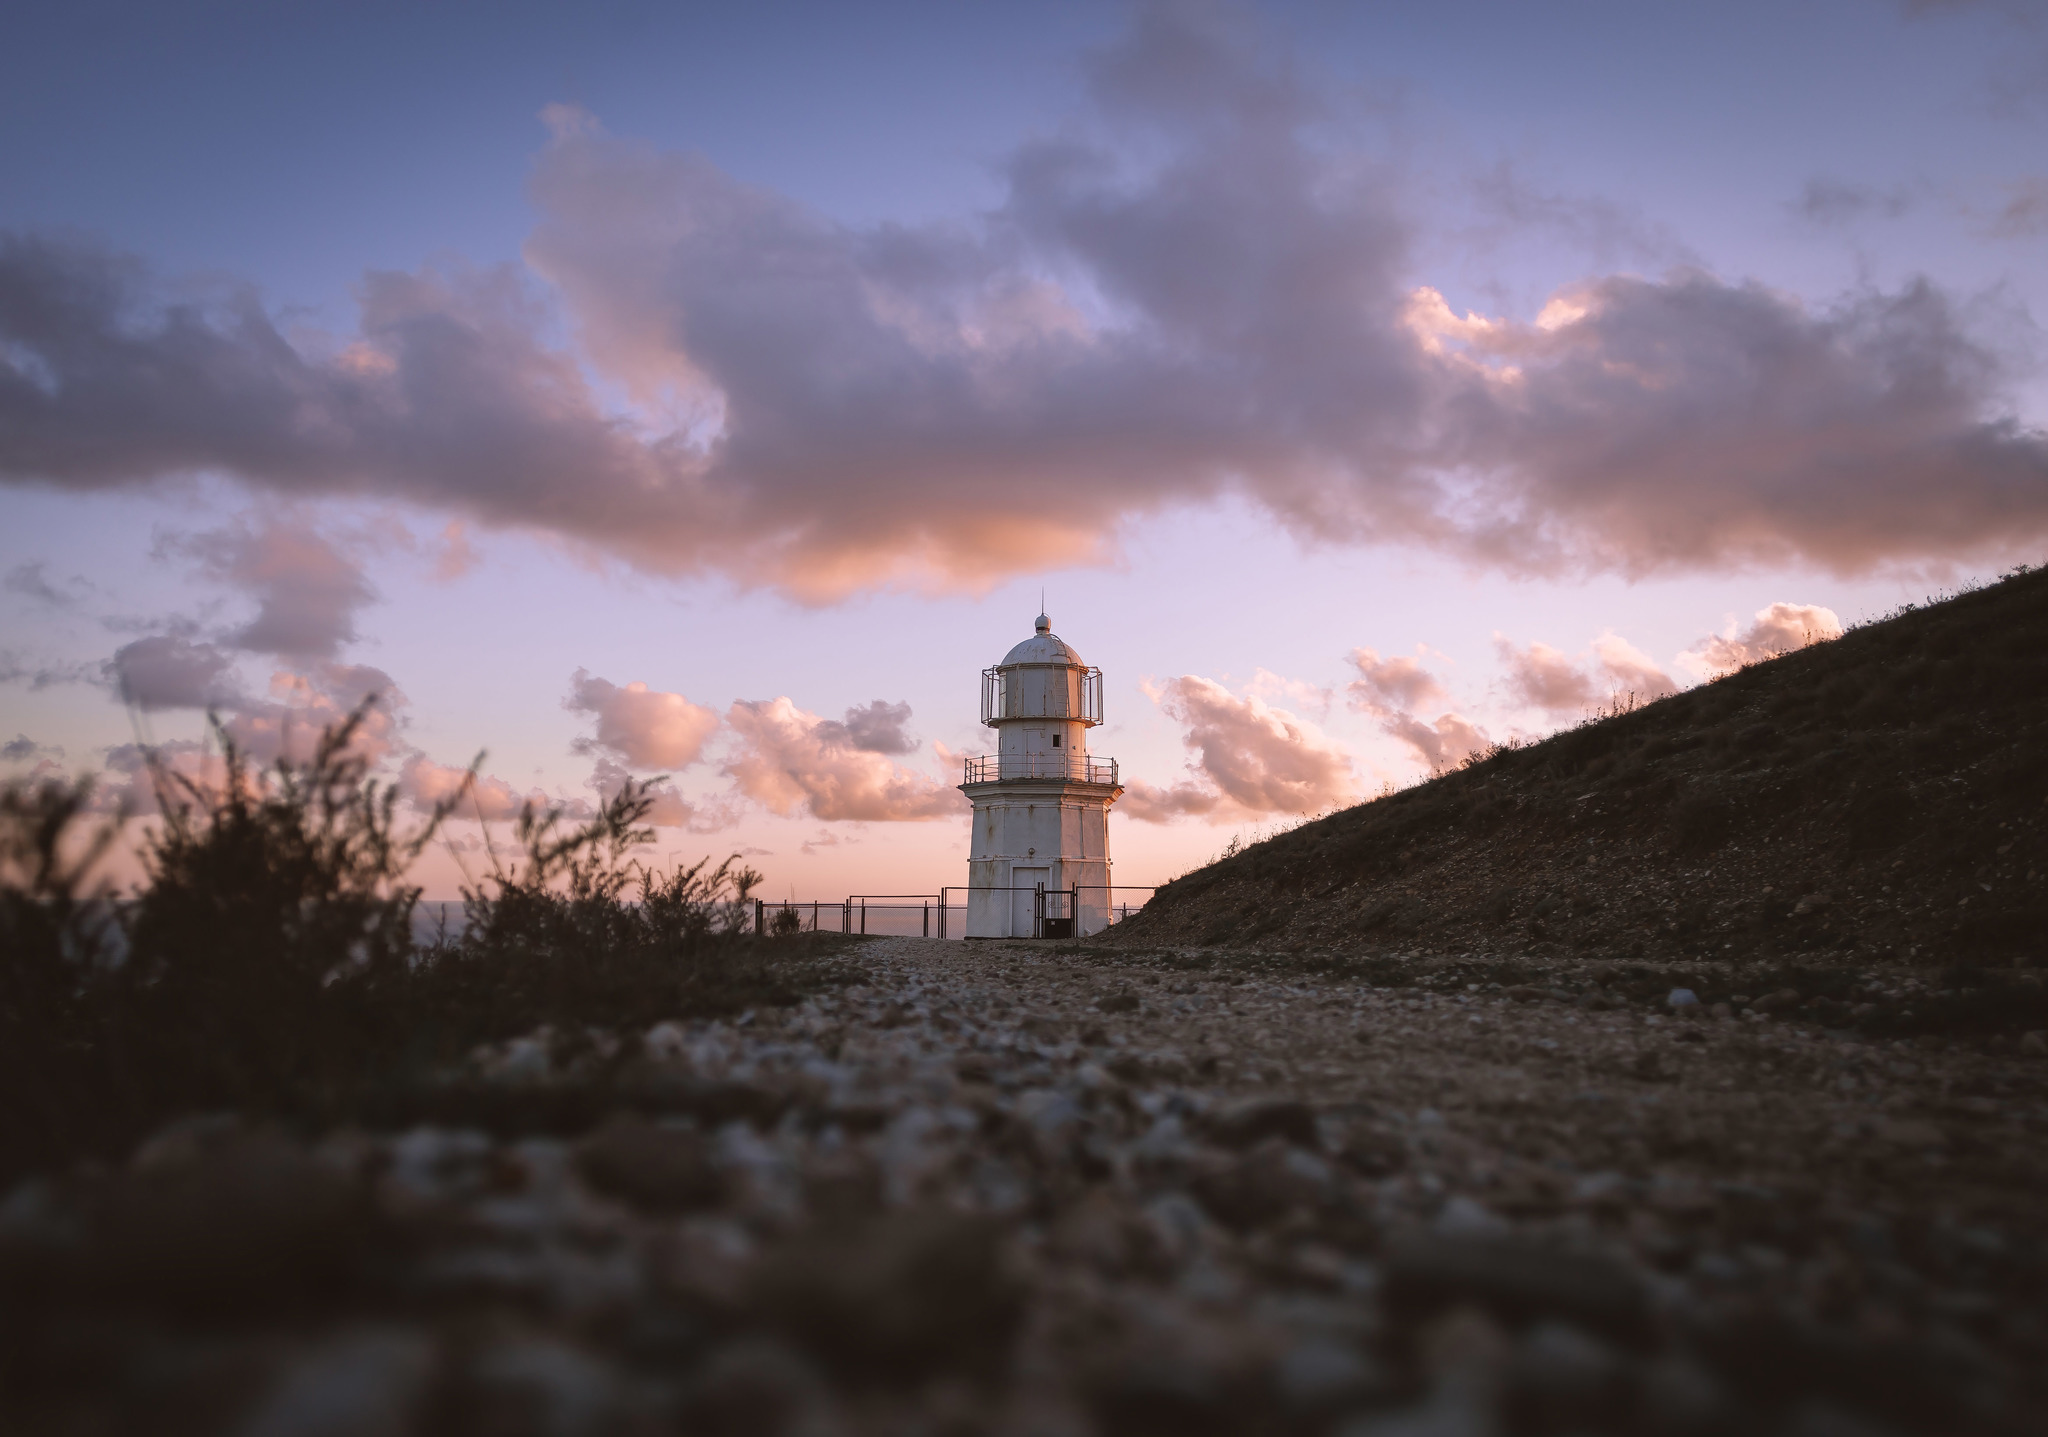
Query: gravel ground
[(1010, 1188)]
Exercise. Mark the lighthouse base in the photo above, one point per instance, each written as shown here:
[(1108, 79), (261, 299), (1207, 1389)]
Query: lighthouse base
[(1039, 862)]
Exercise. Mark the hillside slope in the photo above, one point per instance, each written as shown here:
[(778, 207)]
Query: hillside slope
[(1879, 798)]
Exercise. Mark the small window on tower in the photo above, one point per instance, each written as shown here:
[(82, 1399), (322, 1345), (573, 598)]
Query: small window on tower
[(1055, 740)]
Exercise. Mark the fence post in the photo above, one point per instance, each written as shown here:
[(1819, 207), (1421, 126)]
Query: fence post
[(927, 920), (758, 929), (863, 918)]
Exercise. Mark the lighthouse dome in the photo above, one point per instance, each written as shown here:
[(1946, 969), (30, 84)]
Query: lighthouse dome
[(1043, 647)]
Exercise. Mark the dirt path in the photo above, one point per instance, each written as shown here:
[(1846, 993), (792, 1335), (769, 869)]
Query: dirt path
[(1009, 1188)]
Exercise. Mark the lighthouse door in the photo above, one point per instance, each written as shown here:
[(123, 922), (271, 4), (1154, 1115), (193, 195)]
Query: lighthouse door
[(1024, 885)]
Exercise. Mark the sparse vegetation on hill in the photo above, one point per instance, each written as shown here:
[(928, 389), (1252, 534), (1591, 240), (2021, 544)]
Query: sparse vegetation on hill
[(1879, 798)]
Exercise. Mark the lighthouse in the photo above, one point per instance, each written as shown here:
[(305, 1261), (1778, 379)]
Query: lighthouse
[(1038, 863)]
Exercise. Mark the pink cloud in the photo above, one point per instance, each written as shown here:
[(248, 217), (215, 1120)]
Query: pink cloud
[(1629, 669), (1390, 689), (1777, 629), (670, 809), (303, 704), (425, 783), (1249, 758), (1442, 744), (455, 556), (1544, 678), (792, 761), (129, 787), (645, 727), (1397, 683), (23, 749)]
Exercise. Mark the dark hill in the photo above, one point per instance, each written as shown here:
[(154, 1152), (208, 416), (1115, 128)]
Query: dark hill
[(1881, 798)]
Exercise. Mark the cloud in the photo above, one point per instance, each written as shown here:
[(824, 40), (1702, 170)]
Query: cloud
[(304, 703), (1195, 289), (1547, 678), (1642, 426), (878, 728), (1629, 669), (1442, 744), (1834, 202), (167, 672), (792, 761), (1249, 758), (424, 783), (670, 809), (286, 723), (15, 667), (23, 749), (1391, 689), (132, 790), (1544, 678), (33, 580), (1777, 629), (645, 727), (1399, 682), (307, 589), (456, 556)]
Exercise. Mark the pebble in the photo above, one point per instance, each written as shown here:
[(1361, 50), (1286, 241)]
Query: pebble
[(965, 1196)]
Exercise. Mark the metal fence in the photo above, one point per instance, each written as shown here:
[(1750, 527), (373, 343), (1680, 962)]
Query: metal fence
[(897, 915), (937, 915)]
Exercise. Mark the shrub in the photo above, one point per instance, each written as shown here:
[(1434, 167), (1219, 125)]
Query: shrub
[(267, 961)]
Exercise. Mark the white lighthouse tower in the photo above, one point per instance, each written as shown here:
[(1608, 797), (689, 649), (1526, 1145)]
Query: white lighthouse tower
[(1038, 865)]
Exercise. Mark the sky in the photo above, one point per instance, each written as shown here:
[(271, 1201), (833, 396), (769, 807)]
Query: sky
[(710, 392)]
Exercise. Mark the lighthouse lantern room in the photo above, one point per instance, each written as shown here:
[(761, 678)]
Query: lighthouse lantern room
[(1038, 862)]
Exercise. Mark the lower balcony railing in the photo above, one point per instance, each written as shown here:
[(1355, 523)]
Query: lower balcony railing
[(1061, 764)]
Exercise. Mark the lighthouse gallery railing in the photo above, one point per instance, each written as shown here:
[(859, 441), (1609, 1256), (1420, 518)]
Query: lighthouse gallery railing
[(1054, 763)]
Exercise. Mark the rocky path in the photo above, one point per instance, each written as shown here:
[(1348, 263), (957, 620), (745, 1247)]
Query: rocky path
[(1008, 1188)]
